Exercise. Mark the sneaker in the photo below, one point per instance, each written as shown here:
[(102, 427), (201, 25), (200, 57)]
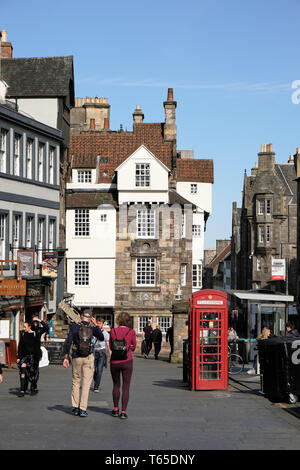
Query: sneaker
[(251, 372), (21, 393), (115, 413), (96, 390), (83, 413), (75, 411), (123, 416)]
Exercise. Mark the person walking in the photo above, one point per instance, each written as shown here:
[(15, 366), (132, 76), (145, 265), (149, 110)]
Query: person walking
[(100, 354), (80, 335), (157, 340), (29, 355), (123, 366), (265, 334), (147, 332), (170, 339)]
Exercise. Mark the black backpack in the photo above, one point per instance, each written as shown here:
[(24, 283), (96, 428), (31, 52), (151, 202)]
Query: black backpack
[(119, 348), (85, 335)]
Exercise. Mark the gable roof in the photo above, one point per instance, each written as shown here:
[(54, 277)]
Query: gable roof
[(38, 76), (148, 151), (115, 147), (197, 170)]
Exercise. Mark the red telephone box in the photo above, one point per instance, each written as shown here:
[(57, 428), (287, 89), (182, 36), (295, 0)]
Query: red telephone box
[(208, 340)]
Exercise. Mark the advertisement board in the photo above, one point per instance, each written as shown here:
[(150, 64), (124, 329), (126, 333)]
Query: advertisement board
[(278, 269)]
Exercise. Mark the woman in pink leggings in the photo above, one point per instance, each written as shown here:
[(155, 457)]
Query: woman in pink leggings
[(122, 367)]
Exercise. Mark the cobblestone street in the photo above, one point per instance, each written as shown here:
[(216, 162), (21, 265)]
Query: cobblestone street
[(163, 414)]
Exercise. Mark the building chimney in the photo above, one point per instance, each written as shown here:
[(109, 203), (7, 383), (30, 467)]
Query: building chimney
[(138, 115), (170, 129), (266, 158), (5, 47)]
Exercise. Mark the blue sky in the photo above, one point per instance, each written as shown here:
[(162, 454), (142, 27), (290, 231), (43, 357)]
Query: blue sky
[(231, 64)]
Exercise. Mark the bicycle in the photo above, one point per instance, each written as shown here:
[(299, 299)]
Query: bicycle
[(235, 362)]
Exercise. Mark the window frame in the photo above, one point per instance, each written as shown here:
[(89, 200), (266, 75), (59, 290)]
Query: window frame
[(145, 223), (83, 271), (145, 268), (82, 227), (142, 175)]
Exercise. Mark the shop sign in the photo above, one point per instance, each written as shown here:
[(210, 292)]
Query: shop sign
[(49, 264), (12, 287), (26, 258), (278, 269)]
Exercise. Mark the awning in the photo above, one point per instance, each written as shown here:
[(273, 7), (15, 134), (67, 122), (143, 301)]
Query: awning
[(259, 296)]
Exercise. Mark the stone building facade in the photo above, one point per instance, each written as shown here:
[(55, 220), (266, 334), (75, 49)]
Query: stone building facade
[(265, 227), (161, 204)]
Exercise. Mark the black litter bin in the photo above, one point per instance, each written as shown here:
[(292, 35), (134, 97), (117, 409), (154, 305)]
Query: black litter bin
[(280, 373), (185, 359)]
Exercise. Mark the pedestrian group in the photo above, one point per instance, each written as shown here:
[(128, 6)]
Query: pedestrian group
[(85, 348)]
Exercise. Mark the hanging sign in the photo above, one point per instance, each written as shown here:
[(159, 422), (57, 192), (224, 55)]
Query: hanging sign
[(26, 258), (278, 269), (49, 264)]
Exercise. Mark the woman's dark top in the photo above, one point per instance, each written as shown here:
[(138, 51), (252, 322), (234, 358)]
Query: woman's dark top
[(29, 345)]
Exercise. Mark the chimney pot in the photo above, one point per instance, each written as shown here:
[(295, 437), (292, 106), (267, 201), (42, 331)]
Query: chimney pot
[(298, 150), (170, 94), (3, 35)]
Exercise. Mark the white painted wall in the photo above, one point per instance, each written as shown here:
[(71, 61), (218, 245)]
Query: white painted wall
[(198, 242), (101, 291), (42, 109), (203, 197), (158, 189), (100, 250), (102, 240)]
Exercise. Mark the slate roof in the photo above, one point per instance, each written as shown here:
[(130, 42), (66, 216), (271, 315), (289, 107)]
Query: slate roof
[(197, 170), (90, 200), (287, 174), (37, 76)]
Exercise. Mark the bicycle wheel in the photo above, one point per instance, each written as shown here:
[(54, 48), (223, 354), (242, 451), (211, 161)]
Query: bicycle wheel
[(235, 364)]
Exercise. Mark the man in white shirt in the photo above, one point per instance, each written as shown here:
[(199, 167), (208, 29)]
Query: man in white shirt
[(100, 354)]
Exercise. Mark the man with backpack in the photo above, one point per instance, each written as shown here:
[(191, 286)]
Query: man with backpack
[(81, 336)]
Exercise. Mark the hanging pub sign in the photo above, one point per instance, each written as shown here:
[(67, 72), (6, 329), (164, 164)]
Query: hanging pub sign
[(278, 269), (26, 258), (49, 264)]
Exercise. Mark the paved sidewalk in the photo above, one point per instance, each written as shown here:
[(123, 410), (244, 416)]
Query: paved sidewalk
[(163, 415)]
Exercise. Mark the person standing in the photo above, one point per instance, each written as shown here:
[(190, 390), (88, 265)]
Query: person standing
[(1, 375), (39, 326), (170, 339), (157, 340), (124, 366), (100, 354), (147, 331), (80, 335), (29, 355)]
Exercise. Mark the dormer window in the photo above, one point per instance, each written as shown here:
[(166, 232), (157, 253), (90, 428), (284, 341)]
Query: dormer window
[(84, 176), (142, 175)]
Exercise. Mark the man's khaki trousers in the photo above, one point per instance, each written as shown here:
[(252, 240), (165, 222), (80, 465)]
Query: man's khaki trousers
[(82, 368)]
